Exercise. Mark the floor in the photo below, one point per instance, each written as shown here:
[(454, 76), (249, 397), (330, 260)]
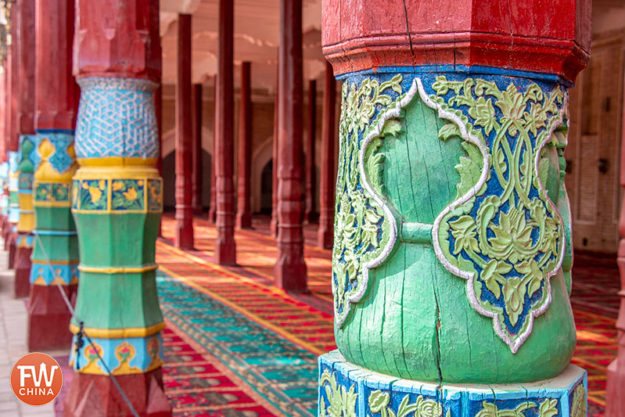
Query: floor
[(236, 346)]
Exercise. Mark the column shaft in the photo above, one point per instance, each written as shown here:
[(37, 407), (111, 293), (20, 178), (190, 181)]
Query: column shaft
[(309, 152), (327, 181), (197, 148), (184, 137), (27, 159), (274, 171), (212, 211), (290, 268), (225, 248), (244, 214), (55, 253)]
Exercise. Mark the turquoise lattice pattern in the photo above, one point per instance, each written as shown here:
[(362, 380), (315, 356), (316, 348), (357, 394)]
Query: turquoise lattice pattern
[(116, 119)]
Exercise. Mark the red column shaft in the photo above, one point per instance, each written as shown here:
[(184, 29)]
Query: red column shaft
[(26, 86), (290, 268), (327, 177), (26, 126), (158, 111), (197, 148), (56, 99), (56, 107), (184, 137), (309, 152), (244, 215), (274, 171), (3, 113), (225, 248), (13, 63), (212, 211)]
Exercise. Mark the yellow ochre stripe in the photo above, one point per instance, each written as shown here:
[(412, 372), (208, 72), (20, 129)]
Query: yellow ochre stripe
[(119, 333), (117, 270)]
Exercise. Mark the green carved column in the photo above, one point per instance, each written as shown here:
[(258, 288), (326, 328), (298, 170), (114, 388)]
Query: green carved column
[(117, 205), (14, 208), (452, 247), (28, 158)]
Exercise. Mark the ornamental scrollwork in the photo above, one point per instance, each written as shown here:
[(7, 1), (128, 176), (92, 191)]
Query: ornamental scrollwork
[(341, 402), (547, 408), (503, 233), (364, 230), (379, 402)]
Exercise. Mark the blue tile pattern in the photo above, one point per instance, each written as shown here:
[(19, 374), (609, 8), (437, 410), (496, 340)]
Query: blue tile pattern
[(116, 119), (358, 392)]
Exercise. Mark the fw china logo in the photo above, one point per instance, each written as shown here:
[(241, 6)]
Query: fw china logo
[(36, 379)]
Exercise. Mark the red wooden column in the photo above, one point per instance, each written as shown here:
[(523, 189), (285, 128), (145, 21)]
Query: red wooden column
[(212, 211), (14, 79), (11, 132), (290, 268), (615, 405), (196, 117), (56, 105), (244, 215), (25, 125), (325, 232), (225, 248), (274, 171), (184, 137), (309, 152)]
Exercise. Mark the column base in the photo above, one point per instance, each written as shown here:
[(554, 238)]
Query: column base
[(244, 221), (325, 237), (291, 275), (22, 270), (48, 317), (370, 394), (615, 404), (225, 252), (96, 396), (11, 248)]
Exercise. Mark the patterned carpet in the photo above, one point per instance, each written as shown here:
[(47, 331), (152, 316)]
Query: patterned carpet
[(238, 346)]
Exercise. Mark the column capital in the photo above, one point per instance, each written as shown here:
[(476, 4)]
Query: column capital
[(530, 37)]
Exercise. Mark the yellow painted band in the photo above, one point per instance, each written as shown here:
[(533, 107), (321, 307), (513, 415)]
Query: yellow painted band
[(52, 204), (56, 262), (119, 333), (113, 270), (116, 161)]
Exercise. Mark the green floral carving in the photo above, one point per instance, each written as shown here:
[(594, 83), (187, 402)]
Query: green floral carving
[(547, 408), (379, 404), (503, 232), (362, 230), (342, 402)]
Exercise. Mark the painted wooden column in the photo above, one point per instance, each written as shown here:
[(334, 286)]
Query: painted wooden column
[(273, 226), (184, 137), (55, 253), (327, 182), (244, 211), (615, 404), (12, 136), (290, 269), (309, 152), (212, 209), (27, 158), (452, 240), (196, 118), (225, 247), (117, 206)]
